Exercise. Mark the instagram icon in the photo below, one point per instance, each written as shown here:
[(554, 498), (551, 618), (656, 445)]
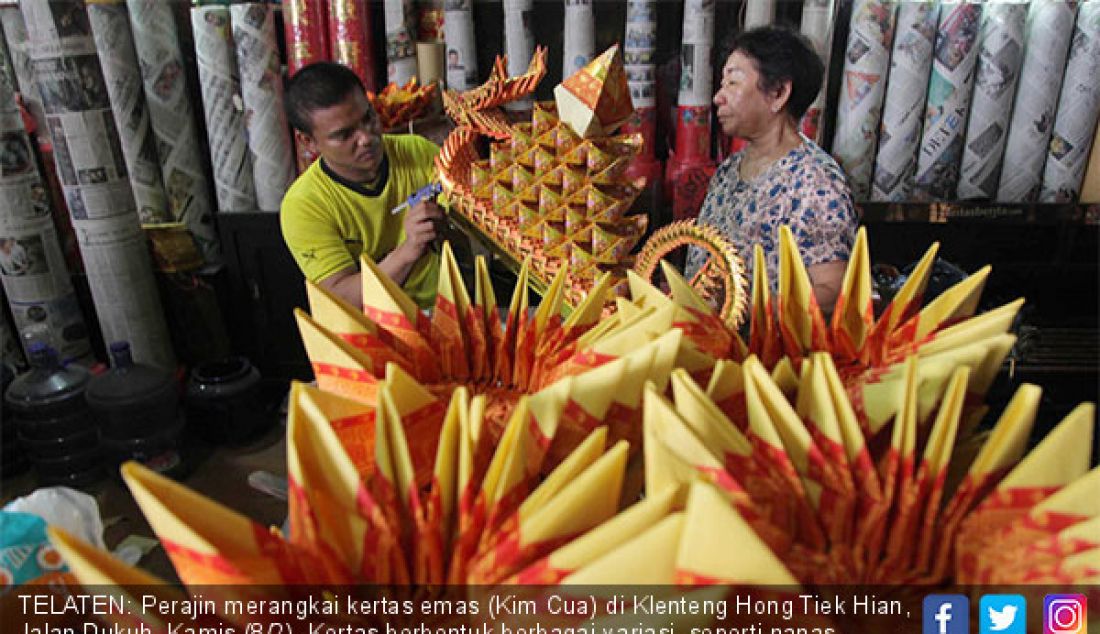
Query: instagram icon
[(1065, 614)]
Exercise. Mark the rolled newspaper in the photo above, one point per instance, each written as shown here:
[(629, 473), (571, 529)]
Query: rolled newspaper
[(92, 170), (948, 107), (35, 279), (115, 45), (866, 62), (220, 82), (999, 58), (817, 24), (903, 110), (262, 93), (1078, 108), (1049, 26), (163, 72)]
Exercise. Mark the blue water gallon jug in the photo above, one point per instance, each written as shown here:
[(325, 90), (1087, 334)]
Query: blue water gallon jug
[(138, 410), (53, 422)]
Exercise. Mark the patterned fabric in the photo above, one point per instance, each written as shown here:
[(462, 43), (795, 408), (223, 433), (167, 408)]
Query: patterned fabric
[(806, 189)]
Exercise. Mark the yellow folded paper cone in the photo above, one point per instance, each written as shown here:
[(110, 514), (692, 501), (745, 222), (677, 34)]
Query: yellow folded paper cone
[(600, 540), (853, 313), (763, 332), (800, 321), (197, 532), (94, 568), (956, 303), (990, 324), (648, 559), (580, 505), (388, 306), (339, 367), (904, 305), (326, 486), (1062, 456), (706, 421), (710, 525)]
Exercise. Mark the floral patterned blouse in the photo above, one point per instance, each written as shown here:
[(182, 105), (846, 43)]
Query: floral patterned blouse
[(806, 189)]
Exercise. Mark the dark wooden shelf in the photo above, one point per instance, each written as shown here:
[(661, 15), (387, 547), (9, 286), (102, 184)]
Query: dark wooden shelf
[(970, 212)]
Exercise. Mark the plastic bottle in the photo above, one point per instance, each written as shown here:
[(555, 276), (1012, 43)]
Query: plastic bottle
[(53, 422), (137, 408)]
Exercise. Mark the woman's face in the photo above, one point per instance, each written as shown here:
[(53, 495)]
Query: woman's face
[(743, 109)]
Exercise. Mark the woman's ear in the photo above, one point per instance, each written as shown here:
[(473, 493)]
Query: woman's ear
[(780, 95)]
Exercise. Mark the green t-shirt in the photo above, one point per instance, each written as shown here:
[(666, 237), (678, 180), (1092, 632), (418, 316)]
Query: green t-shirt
[(328, 222)]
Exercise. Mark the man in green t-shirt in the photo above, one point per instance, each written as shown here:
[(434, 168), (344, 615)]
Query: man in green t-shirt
[(340, 207)]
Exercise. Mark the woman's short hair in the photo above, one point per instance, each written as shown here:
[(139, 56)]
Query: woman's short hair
[(319, 85), (782, 54)]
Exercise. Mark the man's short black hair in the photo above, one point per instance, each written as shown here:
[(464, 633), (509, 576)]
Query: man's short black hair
[(783, 54), (319, 85)]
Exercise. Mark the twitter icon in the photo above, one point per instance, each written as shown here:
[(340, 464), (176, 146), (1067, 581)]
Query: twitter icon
[(1002, 614)]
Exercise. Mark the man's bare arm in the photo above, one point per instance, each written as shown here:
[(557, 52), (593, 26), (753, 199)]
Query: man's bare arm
[(347, 283), (826, 279)]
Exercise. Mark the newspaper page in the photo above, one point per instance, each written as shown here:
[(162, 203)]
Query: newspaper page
[(903, 107), (519, 44), (15, 34), (638, 48), (400, 45), (866, 61), (948, 107), (579, 44), (1049, 26), (94, 179), (32, 267), (173, 119), (1000, 54), (220, 84), (817, 24), (758, 13), (1078, 108), (458, 31), (262, 89), (696, 49), (115, 44)]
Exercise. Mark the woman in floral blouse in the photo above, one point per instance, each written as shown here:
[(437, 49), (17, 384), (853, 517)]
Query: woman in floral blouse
[(781, 177)]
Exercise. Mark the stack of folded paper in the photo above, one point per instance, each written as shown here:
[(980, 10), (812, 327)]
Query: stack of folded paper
[(835, 506), (556, 188), (500, 358), (397, 106), (454, 449)]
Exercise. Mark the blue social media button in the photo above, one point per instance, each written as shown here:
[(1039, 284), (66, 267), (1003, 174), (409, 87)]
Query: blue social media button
[(946, 614), (1002, 614)]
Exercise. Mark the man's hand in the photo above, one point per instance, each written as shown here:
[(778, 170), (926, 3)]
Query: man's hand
[(422, 225)]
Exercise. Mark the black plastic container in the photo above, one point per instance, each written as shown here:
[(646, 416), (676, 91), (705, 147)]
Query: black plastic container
[(137, 408), (53, 420), (225, 402), (13, 459)]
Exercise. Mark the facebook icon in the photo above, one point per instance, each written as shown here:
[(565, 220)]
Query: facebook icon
[(946, 614)]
